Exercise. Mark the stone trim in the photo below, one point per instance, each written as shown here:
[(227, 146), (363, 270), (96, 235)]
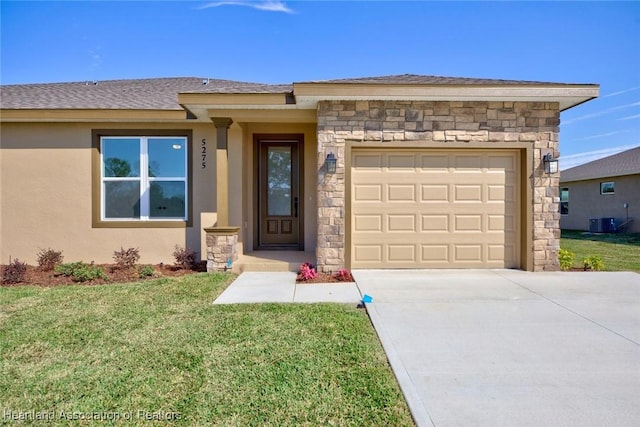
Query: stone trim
[(222, 246), (445, 122)]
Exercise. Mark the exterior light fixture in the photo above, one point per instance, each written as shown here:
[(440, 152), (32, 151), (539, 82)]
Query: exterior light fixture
[(331, 163), (550, 163)]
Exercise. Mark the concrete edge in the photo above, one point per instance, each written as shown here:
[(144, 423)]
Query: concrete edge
[(418, 411)]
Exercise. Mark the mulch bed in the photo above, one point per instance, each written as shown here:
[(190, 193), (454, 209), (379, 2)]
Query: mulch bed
[(35, 276), (324, 278)]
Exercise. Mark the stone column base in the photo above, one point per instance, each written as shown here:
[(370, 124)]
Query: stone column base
[(222, 247)]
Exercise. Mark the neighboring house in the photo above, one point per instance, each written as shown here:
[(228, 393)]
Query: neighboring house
[(431, 172), (603, 195)]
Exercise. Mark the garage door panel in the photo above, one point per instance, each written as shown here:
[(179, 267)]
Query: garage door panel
[(398, 163), (401, 193), (467, 193), (468, 223), (368, 223), (401, 223), (435, 223), (401, 253), (367, 193), (437, 163), (434, 254), (368, 253), (435, 209), (433, 193), (468, 253)]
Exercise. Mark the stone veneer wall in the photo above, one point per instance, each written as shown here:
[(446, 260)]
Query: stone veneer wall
[(470, 122)]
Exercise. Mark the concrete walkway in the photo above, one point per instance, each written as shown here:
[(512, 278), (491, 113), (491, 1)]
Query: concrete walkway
[(511, 348), (254, 287)]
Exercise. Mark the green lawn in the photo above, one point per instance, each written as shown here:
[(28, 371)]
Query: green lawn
[(161, 349), (619, 252)]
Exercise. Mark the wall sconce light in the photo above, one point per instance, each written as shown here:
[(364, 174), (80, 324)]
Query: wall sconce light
[(331, 163), (550, 164)]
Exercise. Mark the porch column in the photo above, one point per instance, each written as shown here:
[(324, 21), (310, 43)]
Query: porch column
[(222, 169)]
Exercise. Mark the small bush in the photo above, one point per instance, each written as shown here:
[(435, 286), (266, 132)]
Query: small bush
[(566, 258), (343, 275), (593, 263), (146, 271), (307, 271), (185, 257), (81, 272), (49, 258), (126, 258), (14, 272)]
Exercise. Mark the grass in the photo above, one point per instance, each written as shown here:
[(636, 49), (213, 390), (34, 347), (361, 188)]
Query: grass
[(160, 349), (619, 252)]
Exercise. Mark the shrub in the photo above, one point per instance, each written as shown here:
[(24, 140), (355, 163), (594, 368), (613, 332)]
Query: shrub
[(307, 271), (343, 275), (185, 257), (81, 272), (593, 262), (146, 271), (14, 272), (566, 259), (48, 259), (126, 258)]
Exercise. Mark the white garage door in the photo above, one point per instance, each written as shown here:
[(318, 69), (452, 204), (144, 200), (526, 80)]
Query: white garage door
[(434, 209)]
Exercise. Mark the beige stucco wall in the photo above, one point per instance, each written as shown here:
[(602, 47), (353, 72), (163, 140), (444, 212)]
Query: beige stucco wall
[(585, 202), (46, 195)]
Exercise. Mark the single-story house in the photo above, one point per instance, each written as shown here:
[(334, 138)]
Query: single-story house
[(403, 171), (602, 195)]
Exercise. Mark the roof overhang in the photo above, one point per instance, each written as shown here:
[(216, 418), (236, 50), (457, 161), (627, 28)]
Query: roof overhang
[(307, 95), (91, 115)]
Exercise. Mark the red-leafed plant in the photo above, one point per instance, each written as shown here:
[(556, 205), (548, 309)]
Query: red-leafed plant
[(307, 271), (343, 275)]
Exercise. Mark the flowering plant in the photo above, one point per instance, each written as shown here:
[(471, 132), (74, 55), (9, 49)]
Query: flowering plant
[(343, 275), (307, 271)]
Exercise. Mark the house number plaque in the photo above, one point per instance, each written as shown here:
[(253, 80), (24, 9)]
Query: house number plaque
[(204, 153)]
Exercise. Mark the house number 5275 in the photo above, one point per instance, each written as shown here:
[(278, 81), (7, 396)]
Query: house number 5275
[(204, 153)]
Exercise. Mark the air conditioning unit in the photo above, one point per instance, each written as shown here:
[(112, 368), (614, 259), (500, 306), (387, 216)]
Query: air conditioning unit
[(602, 225), (607, 225)]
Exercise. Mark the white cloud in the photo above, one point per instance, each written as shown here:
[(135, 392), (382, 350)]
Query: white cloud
[(567, 162), (270, 5), (96, 59), (620, 92), (600, 113), (602, 135), (635, 116)]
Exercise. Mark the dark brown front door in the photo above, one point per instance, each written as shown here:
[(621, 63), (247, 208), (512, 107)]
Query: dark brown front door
[(279, 193)]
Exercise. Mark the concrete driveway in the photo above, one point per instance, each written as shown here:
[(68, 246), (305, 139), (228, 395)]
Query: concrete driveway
[(511, 348)]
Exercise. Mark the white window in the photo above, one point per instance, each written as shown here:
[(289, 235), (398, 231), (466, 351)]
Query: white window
[(143, 178), (564, 201), (607, 187)]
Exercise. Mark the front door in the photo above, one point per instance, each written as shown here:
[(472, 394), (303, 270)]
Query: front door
[(279, 193)]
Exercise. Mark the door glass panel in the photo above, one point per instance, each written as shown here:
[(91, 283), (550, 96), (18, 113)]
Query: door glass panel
[(279, 181)]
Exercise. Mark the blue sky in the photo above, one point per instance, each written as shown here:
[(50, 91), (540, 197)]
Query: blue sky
[(286, 41)]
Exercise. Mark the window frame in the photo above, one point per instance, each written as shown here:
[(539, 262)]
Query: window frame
[(565, 202), (613, 188), (98, 206)]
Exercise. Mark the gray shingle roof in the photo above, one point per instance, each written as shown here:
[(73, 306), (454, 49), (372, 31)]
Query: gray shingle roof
[(624, 163), (162, 93), (432, 80), (143, 94)]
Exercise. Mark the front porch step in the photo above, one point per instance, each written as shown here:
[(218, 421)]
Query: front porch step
[(272, 261)]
